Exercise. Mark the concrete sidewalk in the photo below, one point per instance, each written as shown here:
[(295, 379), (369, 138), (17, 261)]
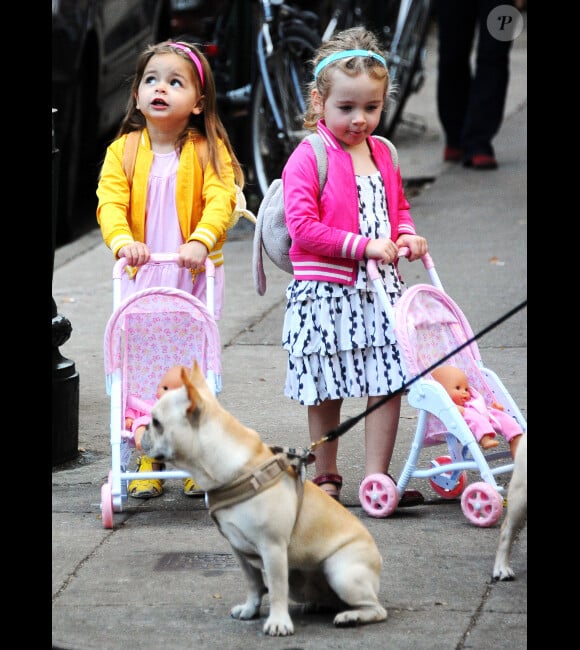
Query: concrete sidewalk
[(164, 576)]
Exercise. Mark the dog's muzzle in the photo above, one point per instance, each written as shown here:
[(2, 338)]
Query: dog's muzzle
[(157, 448)]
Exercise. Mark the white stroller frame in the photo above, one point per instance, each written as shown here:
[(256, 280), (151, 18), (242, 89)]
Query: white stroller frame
[(198, 339), (439, 420)]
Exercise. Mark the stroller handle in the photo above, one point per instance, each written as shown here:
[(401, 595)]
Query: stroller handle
[(404, 251), (161, 258)]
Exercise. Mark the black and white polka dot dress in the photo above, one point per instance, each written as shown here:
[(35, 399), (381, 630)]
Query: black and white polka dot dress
[(339, 340)]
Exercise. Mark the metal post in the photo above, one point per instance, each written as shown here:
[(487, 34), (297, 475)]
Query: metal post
[(65, 378)]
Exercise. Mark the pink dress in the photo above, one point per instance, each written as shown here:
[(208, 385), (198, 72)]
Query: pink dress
[(163, 235), (482, 419)]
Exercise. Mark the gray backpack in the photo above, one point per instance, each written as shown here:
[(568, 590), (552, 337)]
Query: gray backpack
[(271, 232)]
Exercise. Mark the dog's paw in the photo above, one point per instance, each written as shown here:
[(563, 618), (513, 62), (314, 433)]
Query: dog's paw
[(364, 615), (503, 572), (245, 611), (278, 626)]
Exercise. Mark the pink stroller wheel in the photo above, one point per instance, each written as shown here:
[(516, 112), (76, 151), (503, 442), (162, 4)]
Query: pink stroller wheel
[(107, 505), (378, 495), (481, 504)]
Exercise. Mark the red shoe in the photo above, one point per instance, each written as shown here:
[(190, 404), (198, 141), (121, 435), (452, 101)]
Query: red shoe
[(409, 498), (452, 154), (481, 161), (332, 483)]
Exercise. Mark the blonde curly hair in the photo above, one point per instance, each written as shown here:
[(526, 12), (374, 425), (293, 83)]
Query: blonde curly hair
[(355, 38)]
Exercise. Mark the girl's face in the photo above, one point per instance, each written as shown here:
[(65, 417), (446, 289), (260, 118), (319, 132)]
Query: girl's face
[(353, 108), (168, 92)]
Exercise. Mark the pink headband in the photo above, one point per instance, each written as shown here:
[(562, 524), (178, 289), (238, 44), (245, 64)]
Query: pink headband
[(193, 57)]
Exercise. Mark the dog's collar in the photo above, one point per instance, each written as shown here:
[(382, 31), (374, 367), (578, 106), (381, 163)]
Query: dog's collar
[(249, 484)]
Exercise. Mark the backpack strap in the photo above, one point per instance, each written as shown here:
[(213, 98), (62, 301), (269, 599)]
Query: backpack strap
[(130, 154), (321, 158), (200, 143), (392, 148), (132, 146)]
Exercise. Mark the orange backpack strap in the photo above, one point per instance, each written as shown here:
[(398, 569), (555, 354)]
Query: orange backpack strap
[(130, 154), (200, 143), (132, 145)]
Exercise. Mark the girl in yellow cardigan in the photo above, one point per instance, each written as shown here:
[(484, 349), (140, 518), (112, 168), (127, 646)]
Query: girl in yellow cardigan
[(181, 193)]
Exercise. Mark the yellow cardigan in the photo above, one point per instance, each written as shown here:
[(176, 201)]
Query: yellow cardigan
[(204, 202)]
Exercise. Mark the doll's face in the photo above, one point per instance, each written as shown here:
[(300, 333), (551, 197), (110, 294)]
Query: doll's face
[(170, 380), (455, 383)]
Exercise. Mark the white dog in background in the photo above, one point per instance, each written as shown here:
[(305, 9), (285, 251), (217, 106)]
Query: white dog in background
[(517, 510)]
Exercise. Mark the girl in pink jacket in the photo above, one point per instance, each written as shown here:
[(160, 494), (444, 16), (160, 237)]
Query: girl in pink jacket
[(339, 340)]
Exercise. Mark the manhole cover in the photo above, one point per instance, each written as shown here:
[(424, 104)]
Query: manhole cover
[(193, 561)]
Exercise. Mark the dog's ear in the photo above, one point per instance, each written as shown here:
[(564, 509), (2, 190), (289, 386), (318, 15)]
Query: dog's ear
[(191, 382), (197, 376)]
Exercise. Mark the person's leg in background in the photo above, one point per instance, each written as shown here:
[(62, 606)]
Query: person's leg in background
[(470, 104), (488, 93), (456, 20)]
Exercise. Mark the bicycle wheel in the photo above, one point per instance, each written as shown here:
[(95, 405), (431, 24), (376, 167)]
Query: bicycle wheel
[(404, 60), (288, 73)]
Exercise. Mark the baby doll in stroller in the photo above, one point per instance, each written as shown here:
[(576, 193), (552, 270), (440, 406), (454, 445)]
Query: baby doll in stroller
[(484, 421)]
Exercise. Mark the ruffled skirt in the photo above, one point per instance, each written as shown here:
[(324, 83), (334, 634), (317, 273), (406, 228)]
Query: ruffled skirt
[(340, 342)]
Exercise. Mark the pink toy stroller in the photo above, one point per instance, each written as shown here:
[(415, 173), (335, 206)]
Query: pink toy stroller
[(429, 326), (147, 333)]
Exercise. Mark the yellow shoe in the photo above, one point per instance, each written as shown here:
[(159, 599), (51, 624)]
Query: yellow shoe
[(146, 488), (191, 488)]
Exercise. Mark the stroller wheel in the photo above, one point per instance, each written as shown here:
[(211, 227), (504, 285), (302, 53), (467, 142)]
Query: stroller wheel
[(378, 495), (442, 483), (107, 505), (481, 504)]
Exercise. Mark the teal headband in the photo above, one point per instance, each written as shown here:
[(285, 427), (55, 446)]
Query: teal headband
[(346, 54)]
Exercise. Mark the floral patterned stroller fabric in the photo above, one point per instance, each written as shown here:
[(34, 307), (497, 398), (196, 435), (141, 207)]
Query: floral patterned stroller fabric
[(155, 329)]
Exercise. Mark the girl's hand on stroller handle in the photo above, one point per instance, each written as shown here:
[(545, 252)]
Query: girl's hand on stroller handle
[(372, 265), (161, 258), (404, 251)]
